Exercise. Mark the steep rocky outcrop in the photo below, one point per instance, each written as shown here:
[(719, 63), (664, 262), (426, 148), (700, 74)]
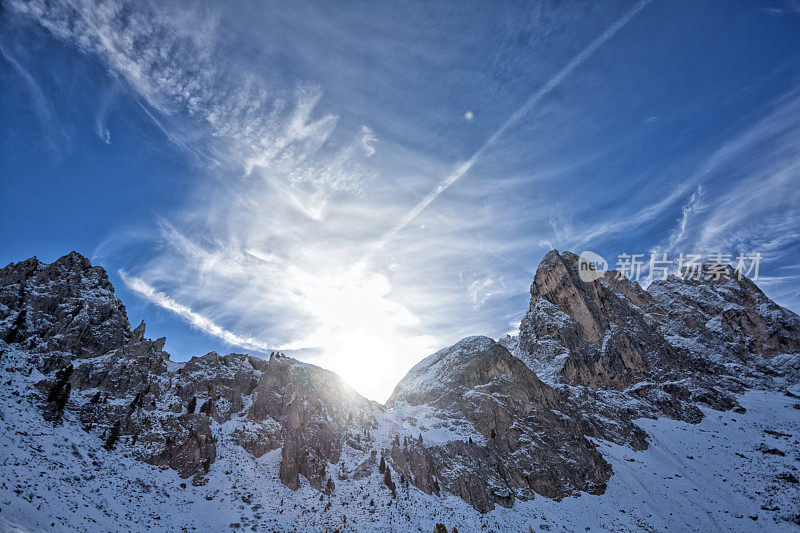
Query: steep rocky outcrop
[(723, 316), (68, 305), (619, 352), (596, 333), (531, 442), (611, 333), (317, 413), (514, 438), (124, 388)]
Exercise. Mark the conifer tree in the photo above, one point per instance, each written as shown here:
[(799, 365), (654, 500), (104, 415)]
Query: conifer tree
[(113, 436), (59, 394), (387, 480)]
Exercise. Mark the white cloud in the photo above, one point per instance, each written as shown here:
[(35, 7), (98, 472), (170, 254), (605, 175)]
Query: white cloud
[(750, 198), (199, 321), (45, 114), (272, 240), (484, 288)]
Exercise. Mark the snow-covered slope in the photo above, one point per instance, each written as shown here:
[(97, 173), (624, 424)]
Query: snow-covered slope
[(729, 472)]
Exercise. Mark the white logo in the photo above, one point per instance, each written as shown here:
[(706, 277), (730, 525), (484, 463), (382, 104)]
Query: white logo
[(591, 266)]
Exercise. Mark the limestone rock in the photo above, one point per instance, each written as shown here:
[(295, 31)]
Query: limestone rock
[(68, 305), (590, 333), (726, 318), (531, 442)]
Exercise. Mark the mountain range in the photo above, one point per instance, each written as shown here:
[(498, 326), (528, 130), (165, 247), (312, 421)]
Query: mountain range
[(614, 407)]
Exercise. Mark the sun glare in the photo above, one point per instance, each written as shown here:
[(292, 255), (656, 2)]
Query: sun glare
[(365, 336)]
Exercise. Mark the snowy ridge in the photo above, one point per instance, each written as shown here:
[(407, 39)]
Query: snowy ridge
[(441, 366)]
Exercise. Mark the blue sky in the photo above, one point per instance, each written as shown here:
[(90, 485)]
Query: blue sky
[(360, 184)]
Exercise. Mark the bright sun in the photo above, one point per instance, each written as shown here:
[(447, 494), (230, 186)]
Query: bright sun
[(364, 335)]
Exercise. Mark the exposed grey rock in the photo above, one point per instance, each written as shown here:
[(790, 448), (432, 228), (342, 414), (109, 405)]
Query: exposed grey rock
[(620, 352), (596, 333), (316, 411), (533, 443), (68, 305), (724, 319), (612, 333)]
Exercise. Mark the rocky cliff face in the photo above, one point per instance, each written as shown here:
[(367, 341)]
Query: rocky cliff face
[(529, 441), (614, 348), (474, 420), (612, 333), (596, 332), (723, 317), (68, 305), (126, 390), (317, 413)]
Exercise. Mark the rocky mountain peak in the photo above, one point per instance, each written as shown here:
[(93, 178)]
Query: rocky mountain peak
[(718, 312), (518, 422), (67, 305), (612, 332), (448, 373), (686, 340), (590, 333)]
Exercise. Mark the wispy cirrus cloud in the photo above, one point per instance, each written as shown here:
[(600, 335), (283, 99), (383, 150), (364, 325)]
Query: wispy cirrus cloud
[(484, 288), (41, 105), (278, 253), (265, 255), (196, 319), (740, 198), (51, 129), (749, 198), (177, 62)]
